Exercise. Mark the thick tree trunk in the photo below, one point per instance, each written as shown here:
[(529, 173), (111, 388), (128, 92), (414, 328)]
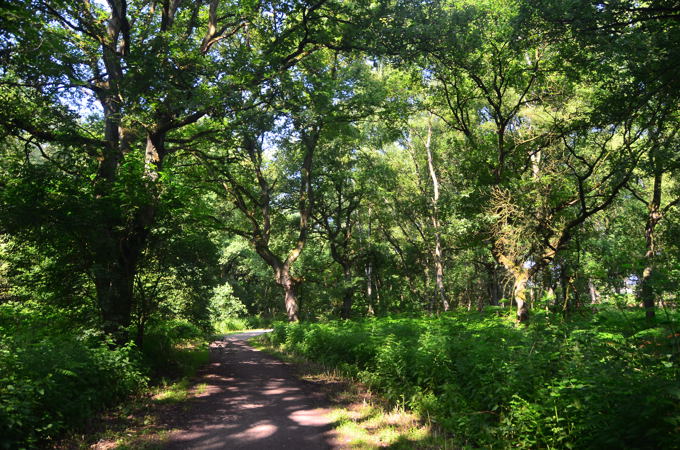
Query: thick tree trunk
[(115, 272), (290, 286), (521, 276), (114, 285), (291, 300), (121, 244), (647, 294)]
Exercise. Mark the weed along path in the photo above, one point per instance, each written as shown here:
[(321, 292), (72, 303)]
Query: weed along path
[(246, 399)]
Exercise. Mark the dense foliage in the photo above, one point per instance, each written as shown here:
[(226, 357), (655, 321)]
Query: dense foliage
[(52, 378), (168, 167), (600, 380), (55, 377)]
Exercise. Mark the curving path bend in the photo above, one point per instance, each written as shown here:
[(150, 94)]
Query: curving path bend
[(252, 401)]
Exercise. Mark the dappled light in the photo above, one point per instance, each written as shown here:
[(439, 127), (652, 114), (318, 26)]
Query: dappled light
[(252, 400)]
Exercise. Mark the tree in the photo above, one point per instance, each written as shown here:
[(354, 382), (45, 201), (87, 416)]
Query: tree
[(120, 86), (341, 188), (660, 161), (269, 171), (547, 153), (641, 43)]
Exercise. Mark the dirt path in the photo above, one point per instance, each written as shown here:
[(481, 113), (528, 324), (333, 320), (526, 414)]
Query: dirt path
[(252, 401)]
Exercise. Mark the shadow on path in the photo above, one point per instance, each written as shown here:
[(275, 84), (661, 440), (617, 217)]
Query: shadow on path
[(251, 401)]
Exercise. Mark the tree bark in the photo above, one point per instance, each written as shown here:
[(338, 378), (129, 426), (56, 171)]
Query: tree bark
[(594, 295), (521, 278), (437, 251), (290, 286), (368, 270), (260, 233), (654, 215)]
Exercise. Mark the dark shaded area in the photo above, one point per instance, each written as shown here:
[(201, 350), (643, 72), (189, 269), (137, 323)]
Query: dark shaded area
[(251, 401)]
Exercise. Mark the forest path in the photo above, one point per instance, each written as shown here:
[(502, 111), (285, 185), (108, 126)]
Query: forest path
[(246, 399)]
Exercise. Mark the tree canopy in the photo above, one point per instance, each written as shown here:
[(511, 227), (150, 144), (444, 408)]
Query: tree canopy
[(395, 144)]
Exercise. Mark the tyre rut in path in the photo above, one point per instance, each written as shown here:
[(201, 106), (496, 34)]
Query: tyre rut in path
[(251, 401)]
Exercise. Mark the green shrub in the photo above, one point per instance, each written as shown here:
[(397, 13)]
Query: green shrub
[(52, 383), (54, 377), (259, 322), (224, 305)]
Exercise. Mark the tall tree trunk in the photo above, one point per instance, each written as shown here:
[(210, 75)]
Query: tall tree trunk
[(369, 271), (654, 215), (565, 284), (369, 288), (594, 295), (261, 230), (437, 251), (114, 271), (439, 269)]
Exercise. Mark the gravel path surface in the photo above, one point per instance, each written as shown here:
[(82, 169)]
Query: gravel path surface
[(252, 401)]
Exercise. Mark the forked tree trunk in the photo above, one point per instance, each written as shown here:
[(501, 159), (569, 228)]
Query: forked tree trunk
[(436, 226), (520, 276)]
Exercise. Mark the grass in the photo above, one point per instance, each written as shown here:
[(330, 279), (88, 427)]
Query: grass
[(173, 393), (364, 420)]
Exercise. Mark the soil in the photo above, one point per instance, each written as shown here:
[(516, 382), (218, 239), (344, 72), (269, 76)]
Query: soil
[(246, 399)]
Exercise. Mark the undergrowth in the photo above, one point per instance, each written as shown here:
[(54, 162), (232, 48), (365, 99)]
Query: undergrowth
[(54, 377), (361, 418), (600, 380)]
